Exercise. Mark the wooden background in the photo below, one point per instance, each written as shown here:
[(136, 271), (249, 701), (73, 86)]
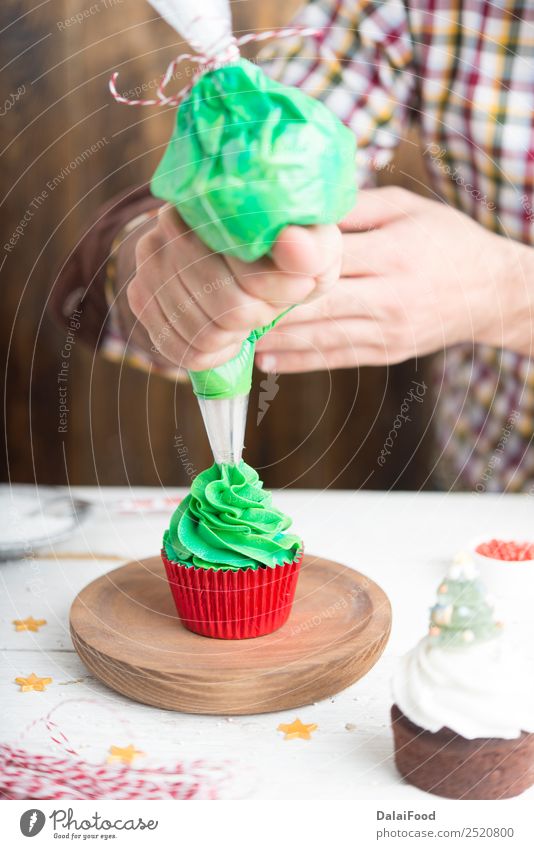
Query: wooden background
[(321, 430)]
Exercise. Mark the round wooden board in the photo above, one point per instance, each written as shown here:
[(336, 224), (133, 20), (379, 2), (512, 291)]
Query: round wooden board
[(125, 629)]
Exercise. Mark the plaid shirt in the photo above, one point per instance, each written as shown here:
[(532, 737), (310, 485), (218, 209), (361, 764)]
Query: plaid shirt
[(464, 72)]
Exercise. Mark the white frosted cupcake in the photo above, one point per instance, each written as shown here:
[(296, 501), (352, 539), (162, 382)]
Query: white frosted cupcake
[(463, 718)]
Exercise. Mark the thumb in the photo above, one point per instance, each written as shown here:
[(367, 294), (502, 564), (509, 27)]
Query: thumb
[(307, 250)]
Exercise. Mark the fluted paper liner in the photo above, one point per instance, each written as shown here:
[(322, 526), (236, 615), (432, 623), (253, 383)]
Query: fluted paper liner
[(233, 605)]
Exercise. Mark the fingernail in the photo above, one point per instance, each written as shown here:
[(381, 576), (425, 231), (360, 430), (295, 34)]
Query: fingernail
[(267, 363)]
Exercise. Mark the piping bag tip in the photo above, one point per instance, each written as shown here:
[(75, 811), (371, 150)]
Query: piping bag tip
[(225, 421), (223, 394)]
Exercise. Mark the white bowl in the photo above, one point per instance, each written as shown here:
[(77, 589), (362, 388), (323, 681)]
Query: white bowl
[(510, 582)]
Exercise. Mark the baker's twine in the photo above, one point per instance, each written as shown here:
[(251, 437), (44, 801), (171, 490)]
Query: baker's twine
[(27, 775), (210, 61)]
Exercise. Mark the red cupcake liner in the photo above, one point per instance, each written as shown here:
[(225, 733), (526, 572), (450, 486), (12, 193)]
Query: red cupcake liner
[(232, 605)]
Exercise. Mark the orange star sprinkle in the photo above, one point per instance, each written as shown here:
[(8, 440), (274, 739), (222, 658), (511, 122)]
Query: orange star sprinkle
[(29, 624), (33, 682), (124, 755), (297, 730)]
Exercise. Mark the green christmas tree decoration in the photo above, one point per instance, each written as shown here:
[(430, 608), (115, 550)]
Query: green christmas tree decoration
[(462, 615)]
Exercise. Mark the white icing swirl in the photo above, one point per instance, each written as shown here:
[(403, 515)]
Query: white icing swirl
[(481, 690)]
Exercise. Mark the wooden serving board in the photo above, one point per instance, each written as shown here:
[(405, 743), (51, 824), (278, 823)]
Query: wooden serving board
[(125, 629)]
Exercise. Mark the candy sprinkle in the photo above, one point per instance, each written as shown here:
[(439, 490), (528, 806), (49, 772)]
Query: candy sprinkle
[(29, 624), (32, 682), (297, 730), (511, 551), (124, 754)]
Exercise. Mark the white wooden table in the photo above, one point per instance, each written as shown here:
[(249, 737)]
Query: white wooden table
[(402, 540)]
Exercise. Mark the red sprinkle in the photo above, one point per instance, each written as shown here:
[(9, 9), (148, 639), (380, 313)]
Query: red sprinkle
[(500, 549)]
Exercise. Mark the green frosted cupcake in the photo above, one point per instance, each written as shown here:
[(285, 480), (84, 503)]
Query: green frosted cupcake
[(231, 564)]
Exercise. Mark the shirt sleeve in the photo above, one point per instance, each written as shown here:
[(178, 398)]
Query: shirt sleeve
[(361, 66)]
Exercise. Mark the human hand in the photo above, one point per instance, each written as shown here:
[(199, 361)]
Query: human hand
[(417, 276), (197, 306)]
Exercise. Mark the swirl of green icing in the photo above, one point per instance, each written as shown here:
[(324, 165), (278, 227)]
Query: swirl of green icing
[(228, 522)]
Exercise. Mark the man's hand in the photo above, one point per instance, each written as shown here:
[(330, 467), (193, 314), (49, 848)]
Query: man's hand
[(417, 276), (198, 306)]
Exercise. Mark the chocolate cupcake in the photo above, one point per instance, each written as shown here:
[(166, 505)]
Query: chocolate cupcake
[(231, 565), (463, 718)]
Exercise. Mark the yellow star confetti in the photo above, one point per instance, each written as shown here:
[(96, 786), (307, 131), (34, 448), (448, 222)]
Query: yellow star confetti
[(124, 755), (29, 624), (297, 730), (32, 682)]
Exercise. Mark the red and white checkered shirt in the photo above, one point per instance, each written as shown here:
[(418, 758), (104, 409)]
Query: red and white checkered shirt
[(464, 73)]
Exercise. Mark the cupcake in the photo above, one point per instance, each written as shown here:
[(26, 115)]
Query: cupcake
[(231, 566), (463, 717)]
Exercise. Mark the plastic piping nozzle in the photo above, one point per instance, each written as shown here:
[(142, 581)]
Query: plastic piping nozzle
[(225, 420)]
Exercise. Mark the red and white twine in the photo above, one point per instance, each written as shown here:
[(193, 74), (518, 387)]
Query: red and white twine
[(27, 775), (208, 62)]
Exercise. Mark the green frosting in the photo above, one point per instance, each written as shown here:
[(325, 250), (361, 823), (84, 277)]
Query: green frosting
[(462, 614), (228, 522), (235, 376)]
